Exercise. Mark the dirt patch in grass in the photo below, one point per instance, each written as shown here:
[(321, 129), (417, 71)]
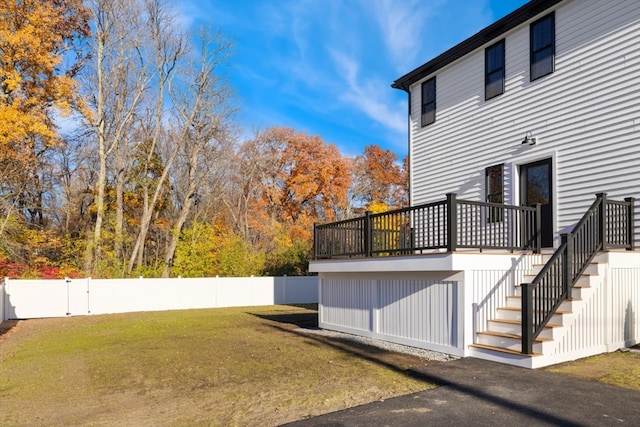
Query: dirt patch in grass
[(617, 368), (240, 366)]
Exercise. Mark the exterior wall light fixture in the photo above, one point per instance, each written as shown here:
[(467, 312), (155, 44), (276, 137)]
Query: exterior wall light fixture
[(529, 139)]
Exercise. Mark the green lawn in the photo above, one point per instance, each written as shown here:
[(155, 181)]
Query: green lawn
[(237, 366), (617, 368)]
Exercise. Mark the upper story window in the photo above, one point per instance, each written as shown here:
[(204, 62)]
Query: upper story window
[(428, 101), (543, 43), (494, 70)]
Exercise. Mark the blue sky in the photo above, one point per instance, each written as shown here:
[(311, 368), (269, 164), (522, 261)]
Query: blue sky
[(325, 66)]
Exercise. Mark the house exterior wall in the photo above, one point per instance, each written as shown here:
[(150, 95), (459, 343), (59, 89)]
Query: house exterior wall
[(585, 115)]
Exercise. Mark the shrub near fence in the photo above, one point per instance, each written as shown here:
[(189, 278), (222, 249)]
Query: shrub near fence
[(27, 299)]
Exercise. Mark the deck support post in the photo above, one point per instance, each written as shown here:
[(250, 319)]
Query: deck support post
[(368, 235), (630, 222), (602, 226), (452, 223), (315, 240)]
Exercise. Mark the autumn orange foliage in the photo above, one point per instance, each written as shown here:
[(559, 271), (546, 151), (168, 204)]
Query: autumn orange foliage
[(302, 179), (383, 180), (249, 214), (34, 37)]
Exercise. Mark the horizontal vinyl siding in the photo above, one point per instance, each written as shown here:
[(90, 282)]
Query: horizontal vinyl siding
[(586, 115)]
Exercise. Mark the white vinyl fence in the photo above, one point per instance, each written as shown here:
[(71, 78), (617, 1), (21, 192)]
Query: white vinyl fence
[(28, 299)]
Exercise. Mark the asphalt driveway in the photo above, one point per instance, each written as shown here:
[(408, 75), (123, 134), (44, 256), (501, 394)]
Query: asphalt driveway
[(474, 392)]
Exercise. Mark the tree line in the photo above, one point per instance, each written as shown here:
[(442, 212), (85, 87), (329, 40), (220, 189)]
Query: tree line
[(121, 155)]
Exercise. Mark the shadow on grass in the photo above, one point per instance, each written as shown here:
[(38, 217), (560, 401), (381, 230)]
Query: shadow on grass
[(300, 320), (296, 323), (6, 326)]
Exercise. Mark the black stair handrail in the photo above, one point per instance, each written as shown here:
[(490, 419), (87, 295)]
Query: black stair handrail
[(552, 285)]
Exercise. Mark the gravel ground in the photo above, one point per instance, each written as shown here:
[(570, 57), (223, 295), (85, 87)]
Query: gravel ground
[(427, 355)]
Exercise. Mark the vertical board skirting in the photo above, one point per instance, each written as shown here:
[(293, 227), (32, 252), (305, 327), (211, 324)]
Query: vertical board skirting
[(625, 305), (418, 310), (347, 302), (422, 312), (586, 329), (492, 287), (607, 318)]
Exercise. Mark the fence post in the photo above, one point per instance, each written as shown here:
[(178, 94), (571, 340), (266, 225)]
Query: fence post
[(368, 241), (630, 222), (3, 287), (602, 223), (452, 223), (527, 317), (567, 262)]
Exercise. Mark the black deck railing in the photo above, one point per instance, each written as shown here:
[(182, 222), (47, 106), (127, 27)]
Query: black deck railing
[(449, 224), (607, 224)]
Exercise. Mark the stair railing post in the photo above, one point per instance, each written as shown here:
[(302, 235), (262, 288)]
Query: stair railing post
[(452, 223), (368, 234), (567, 262), (630, 222), (602, 225), (527, 317), (538, 233)]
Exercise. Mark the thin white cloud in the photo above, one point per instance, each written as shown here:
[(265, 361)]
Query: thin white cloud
[(368, 95), (402, 24), (327, 65)]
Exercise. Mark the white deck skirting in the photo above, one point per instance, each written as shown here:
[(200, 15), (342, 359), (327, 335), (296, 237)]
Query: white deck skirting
[(440, 301)]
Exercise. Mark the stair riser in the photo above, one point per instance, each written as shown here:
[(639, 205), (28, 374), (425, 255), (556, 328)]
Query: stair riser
[(558, 319), (581, 293), (583, 282), (588, 281), (577, 292), (509, 343), (506, 328), (565, 306), (592, 271)]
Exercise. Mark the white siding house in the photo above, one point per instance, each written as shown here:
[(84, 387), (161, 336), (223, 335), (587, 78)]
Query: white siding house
[(585, 115), (541, 109)]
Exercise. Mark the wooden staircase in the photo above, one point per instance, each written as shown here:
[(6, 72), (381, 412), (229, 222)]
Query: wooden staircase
[(503, 334)]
